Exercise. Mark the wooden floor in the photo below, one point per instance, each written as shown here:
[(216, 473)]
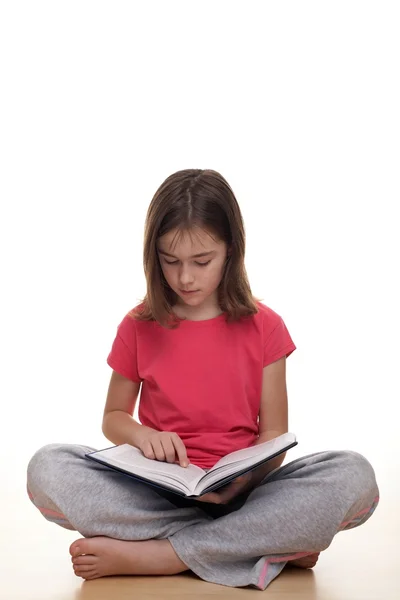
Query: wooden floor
[(360, 564)]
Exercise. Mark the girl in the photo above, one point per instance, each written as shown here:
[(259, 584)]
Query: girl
[(210, 360)]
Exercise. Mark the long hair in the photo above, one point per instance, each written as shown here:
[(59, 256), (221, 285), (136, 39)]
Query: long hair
[(191, 198)]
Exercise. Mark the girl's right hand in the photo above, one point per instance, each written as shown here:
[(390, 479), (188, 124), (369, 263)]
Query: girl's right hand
[(164, 446)]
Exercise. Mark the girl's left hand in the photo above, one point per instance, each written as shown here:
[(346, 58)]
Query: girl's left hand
[(231, 490)]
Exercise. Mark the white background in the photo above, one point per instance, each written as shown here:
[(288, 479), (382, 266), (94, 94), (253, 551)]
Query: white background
[(295, 103)]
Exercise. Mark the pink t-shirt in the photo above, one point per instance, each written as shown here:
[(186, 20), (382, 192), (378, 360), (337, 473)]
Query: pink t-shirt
[(202, 380)]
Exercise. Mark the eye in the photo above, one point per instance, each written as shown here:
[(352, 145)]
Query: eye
[(203, 264), (197, 263)]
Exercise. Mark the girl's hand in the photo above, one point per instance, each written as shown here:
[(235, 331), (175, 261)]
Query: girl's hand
[(231, 490), (165, 446)]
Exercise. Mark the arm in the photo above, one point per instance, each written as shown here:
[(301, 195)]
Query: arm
[(273, 416), (118, 424), (121, 428)]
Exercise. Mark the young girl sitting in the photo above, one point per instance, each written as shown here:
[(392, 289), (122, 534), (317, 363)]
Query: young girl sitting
[(209, 360)]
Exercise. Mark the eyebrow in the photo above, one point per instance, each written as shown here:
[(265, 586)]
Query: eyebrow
[(194, 255)]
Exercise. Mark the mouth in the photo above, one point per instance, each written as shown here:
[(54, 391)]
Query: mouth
[(189, 292)]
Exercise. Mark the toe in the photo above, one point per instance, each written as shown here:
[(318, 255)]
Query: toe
[(75, 548), (91, 574), (87, 559), (84, 568), (84, 546)]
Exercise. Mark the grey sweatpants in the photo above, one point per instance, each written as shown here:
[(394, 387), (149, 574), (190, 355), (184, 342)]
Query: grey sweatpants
[(296, 510)]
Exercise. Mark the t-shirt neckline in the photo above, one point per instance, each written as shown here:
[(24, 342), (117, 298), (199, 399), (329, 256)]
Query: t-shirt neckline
[(203, 322)]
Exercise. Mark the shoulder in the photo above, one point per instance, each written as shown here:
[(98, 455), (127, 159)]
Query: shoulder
[(277, 341), (267, 317), (127, 327), (136, 310)]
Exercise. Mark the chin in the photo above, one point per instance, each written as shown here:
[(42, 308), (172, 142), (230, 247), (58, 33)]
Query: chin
[(190, 300)]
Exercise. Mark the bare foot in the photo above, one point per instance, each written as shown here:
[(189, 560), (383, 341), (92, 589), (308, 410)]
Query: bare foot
[(101, 556), (306, 562)]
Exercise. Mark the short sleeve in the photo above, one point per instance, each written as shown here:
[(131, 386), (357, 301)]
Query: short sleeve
[(123, 355), (278, 343)]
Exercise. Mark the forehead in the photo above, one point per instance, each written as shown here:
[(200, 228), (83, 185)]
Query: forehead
[(190, 240)]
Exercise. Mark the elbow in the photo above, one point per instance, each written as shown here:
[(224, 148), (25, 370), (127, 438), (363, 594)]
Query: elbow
[(104, 424)]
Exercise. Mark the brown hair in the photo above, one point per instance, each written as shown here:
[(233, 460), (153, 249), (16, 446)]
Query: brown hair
[(187, 199)]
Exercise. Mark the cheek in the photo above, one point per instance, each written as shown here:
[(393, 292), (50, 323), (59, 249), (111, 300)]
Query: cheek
[(165, 273), (168, 274), (215, 274)]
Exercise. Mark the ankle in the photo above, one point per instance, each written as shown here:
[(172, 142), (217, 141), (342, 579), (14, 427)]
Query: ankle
[(170, 560)]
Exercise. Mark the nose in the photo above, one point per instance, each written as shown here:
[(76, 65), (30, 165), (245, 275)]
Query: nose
[(185, 276)]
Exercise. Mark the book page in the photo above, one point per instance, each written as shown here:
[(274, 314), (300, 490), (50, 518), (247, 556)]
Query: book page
[(241, 460), (264, 449), (131, 459)]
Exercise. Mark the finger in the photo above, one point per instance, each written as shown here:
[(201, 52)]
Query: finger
[(158, 449), (169, 449), (147, 450), (226, 496), (210, 497), (181, 451)]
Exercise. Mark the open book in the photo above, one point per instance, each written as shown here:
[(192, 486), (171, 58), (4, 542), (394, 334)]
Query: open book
[(190, 481)]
